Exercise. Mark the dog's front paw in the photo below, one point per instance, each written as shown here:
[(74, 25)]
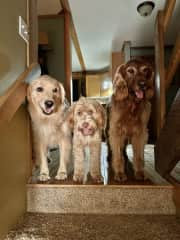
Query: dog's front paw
[(61, 176), (78, 178), (120, 177), (97, 178), (43, 177), (139, 175)]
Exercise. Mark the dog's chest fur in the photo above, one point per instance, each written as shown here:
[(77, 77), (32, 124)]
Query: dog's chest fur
[(46, 129), (128, 116)]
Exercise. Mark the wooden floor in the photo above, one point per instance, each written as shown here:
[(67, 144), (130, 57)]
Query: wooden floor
[(152, 177)]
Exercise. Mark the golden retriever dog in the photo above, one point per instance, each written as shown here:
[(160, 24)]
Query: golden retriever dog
[(47, 108), (87, 119), (133, 87)]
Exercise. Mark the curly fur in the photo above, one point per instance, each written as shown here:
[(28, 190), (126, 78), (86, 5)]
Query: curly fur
[(87, 119)]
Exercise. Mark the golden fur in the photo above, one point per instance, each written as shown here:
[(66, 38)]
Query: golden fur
[(47, 110), (129, 115), (87, 119)]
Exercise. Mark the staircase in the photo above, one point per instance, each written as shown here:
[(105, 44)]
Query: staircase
[(132, 197), (94, 199)]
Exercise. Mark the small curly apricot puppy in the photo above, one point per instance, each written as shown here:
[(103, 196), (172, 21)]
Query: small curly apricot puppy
[(47, 108), (133, 86), (87, 119)]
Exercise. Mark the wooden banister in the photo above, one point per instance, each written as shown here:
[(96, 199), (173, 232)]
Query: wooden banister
[(168, 11), (67, 59), (160, 73), (173, 62), (162, 78), (15, 95)]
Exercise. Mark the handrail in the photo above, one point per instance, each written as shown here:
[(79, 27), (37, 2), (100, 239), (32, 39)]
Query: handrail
[(18, 81), (162, 20), (15, 95), (168, 11), (173, 62)]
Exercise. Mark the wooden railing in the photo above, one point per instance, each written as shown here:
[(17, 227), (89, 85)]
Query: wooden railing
[(15, 95), (164, 77)]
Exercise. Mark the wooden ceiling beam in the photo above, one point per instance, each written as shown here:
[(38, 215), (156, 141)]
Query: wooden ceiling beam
[(66, 7)]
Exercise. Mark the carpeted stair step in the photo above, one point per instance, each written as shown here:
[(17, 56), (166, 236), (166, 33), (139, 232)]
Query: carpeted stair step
[(99, 199)]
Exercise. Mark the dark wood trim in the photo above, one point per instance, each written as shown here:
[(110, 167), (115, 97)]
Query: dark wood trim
[(173, 62), (118, 58), (168, 11), (67, 57), (33, 32), (160, 73), (176, 198)]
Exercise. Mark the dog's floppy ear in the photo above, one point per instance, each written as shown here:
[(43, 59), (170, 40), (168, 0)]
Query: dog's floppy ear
[(70, 116), (62, 91), (150, 90), (29, 89), (119, 74), (101, 115), (120, 84)]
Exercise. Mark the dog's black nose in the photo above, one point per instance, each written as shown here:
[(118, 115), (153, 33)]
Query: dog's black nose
[(49, 103), (142, 85)]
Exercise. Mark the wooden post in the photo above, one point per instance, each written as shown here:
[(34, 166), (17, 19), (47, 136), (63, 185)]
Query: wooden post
[(67, 57), (33, 32), (127, 50), (118, 58), (160, 73), (168, 11), (176, 198)]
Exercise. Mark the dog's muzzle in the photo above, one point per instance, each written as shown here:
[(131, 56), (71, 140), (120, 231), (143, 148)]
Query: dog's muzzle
[(140, 91), (48, 107), (86, 129)]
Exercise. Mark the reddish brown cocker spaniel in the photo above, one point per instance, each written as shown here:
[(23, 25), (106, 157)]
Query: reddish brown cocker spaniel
[(133, 86)]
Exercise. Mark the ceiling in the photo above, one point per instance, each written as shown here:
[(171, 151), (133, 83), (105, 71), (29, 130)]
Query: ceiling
[(46, 7), (103, 25)]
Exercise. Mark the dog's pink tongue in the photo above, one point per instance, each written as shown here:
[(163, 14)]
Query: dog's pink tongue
[(48, 110), (139, 94), (87, 131)]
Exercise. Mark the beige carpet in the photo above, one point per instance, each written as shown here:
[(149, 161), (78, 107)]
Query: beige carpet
[(96, 227)]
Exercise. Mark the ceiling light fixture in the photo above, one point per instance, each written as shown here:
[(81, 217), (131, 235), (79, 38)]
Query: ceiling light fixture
[(145, 8)]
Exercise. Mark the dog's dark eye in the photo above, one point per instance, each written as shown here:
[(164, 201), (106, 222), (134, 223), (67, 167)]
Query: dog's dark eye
[(131, 71), (39, 89), (79, 113), (145, 70), (90, 112), (55, 90)]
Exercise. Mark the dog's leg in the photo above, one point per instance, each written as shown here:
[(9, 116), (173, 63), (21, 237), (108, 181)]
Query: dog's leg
[(95, 161), (65, 154), (118, 161), (78, 154), (138, 143), (42, 155)]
